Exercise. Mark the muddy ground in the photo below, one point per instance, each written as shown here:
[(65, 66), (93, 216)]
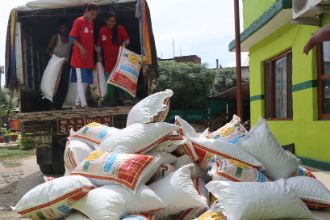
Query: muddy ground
[(16, 178)]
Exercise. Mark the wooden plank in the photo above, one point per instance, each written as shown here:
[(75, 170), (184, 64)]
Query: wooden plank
[(67, 114)]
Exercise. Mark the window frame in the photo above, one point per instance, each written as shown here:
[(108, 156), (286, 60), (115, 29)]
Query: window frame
[(320, 78), (271, 116)]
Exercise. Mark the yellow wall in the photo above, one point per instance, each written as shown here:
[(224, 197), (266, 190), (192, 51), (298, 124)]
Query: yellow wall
[(258, 7), (310, 135)]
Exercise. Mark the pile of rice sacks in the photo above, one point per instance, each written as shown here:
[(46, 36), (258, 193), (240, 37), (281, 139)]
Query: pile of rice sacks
[(155, 170)]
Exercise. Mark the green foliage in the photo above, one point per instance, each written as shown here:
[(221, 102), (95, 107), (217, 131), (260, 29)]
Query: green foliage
[(223, 80), (27, 143), (190, 83), (8, 102)]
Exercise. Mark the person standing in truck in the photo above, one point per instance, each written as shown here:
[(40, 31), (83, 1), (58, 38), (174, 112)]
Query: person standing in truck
[(111, 37), (60, 46), (82, 60)]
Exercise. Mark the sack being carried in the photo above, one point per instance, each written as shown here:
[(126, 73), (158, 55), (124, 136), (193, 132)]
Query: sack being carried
[(99, 88), (52, 77), (126, 72)]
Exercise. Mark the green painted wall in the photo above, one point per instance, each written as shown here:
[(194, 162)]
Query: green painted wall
[(310, 135), (258, 7)]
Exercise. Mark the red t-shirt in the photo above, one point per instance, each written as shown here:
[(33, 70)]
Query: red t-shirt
[(111, 50), (83, 31)]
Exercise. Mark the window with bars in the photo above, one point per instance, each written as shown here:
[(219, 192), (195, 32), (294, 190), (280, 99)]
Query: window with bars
[(278, 87), (323, 79)]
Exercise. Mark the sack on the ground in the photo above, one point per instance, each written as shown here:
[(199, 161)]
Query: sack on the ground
[(113, 202), (127, 70), (75, 152), (178, 192), (139, 217), (94, 133), (206, 149), (229, 131), (77, 216), (303, 171), (53, 199), (189, 214), (127, 170), (99, 87), (314, 194), (271, 200), (138, 138), (170, 143), (261, 143), (231, 170), (51, 77), (152, 109)]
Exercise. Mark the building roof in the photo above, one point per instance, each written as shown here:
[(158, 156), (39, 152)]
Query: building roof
[(230, 94), (276, 16), (55, 4)]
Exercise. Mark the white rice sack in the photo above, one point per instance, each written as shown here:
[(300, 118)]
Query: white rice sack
[(94, 133), (178, 192), (314, 194), (127, 170), (113, 202), (184, 160), (77, 216), (71, 95), (185, 128), (75, 152), (138, 138), (127, 70), (51, 77), (151, 109), (139, 217), (189, 214), (206, 149), (53, 199), (250, 201), (261, 143), (99, 87)]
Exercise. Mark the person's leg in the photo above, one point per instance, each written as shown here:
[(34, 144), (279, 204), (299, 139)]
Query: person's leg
[(80, 89)]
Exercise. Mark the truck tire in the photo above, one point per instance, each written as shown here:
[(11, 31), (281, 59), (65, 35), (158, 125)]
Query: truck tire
[(58, 147), (46, 169)]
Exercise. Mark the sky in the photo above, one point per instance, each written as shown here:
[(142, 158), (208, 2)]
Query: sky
[(197, 27)]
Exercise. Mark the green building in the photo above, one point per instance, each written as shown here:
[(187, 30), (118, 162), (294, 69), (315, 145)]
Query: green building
[(288, 88)]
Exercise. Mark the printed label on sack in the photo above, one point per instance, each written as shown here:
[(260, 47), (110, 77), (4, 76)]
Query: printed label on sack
[(124, 169)]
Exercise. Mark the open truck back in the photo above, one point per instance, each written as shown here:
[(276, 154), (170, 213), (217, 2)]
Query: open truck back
[(29, 29)]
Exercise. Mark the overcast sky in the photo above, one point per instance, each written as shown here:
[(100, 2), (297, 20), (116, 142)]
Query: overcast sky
[(201, 27)]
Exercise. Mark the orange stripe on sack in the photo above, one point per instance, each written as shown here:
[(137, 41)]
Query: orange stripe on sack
[(81, 191), (221, 154)]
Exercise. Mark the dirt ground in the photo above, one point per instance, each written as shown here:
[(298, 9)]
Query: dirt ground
[(16, 178)]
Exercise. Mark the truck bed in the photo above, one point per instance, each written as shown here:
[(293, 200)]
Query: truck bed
[(60, 122), (69, 114)]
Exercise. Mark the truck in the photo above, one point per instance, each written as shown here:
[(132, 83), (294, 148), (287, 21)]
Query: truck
[(29, 29)]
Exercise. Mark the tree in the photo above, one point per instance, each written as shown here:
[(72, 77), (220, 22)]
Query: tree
[(223, 80), (8, 102), (190, 83)]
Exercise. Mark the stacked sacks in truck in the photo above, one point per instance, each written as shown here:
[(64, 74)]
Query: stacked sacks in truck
[(140, 173)]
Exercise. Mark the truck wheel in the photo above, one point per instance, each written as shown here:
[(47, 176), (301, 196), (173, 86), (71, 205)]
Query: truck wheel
[(46, 169), (58, 147)]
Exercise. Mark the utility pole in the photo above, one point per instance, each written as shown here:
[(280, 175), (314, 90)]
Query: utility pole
[(238, 61)]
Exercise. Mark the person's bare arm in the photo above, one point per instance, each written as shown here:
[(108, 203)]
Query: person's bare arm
[(318, 37), (82, 49), (51, 45)]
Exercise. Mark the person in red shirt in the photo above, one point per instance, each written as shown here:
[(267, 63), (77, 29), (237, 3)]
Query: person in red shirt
[(82, 60), (111, 37)]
